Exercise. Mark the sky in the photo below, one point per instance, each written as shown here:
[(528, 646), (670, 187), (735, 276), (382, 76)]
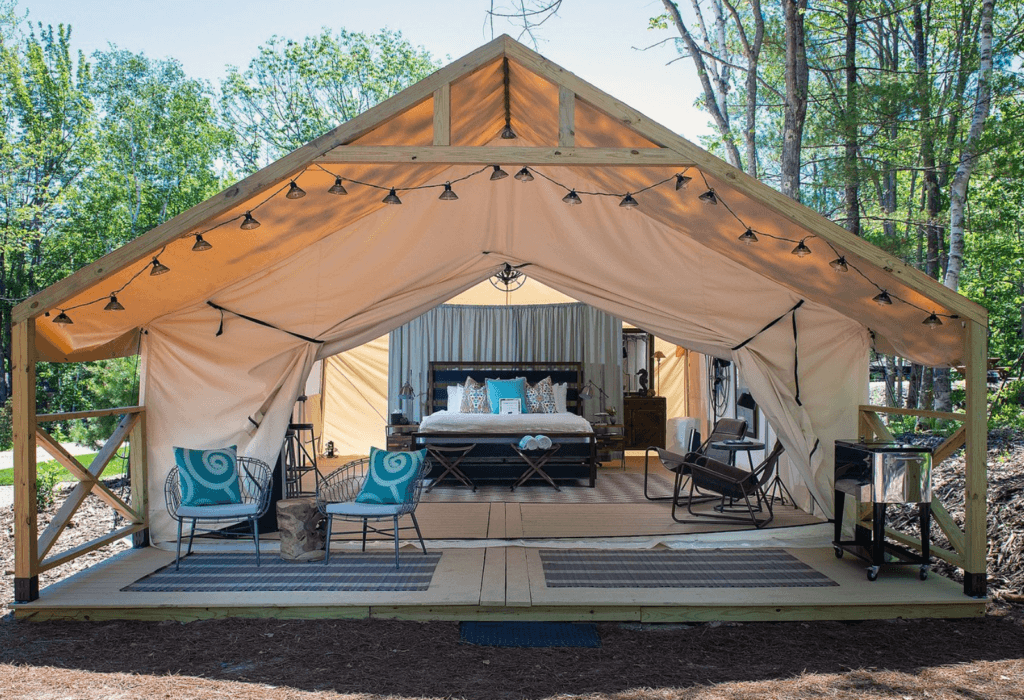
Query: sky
[(595, 39)]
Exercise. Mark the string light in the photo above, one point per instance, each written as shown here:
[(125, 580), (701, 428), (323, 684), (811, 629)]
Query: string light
[(498, 173), (882, 298), (709, 197), (572, 198), (448, 195), (294, 191), (201, 244), (158, 268), (63, 319), (801, 250), (524, 175), (113, 304), (933, 321), (628, 202), (249, 224), (338, 188), (682, 181), (839, 264), (748, 237)]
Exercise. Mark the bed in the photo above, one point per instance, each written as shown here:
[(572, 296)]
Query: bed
[(492, 457)]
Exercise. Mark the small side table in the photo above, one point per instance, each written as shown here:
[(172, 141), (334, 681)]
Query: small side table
[(450, 458), (298, 521), (734, 446), (611, 438), (399, 437), (535, 460)]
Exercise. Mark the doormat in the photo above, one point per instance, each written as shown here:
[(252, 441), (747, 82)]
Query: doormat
[(530, 634), (359, 571), (614, 487), (673, 568)]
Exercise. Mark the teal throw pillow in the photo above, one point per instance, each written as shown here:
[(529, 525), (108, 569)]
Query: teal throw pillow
[(391, 476), (208, 477), (498, 389)]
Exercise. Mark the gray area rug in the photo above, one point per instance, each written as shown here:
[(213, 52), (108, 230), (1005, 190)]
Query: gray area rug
[(610, 487), (359, 571), (705, 568)]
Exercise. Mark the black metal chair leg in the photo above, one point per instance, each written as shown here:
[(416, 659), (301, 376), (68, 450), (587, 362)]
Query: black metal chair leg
[(327, 539), (177, 553), (365, 525), (418, 533), (256, 538), (396, 540), (191, 534)]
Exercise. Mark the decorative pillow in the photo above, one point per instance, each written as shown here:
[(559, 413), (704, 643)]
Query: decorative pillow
[(474, 397), (208, 477), (455, 398), (391, 475), (546, 396), (561, 391), (498, 389), (533, 399)]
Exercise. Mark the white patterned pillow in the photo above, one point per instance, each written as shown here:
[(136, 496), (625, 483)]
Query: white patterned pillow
[(561, 396), (533, 399), (546, 396), (455, 398), (474, 397)]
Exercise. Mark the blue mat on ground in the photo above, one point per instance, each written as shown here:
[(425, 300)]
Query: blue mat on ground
[(530, 634)]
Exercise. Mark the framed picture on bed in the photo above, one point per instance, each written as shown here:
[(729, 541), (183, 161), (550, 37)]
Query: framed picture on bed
[(509, 407)]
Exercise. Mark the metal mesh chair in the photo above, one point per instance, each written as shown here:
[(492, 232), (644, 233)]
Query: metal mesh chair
[(725, 429), (335, 498), (254, 482)]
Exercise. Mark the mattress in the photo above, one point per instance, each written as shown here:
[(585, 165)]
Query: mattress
[(526, 423)]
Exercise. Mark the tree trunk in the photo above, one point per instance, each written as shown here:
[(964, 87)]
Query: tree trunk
[(796, 96), (850, 123)]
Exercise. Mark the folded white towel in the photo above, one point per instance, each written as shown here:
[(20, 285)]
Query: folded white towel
[(528, 443), (543, 442)]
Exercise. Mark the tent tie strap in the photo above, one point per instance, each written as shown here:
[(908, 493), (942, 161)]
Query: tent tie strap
[(796, 346), (220, 329)]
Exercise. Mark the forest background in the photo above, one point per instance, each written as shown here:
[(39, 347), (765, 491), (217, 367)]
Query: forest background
[(898, 119)]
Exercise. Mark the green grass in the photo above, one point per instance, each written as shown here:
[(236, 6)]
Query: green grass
[(52, 467)]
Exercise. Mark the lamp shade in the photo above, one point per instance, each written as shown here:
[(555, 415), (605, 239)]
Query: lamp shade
[(746, 401)]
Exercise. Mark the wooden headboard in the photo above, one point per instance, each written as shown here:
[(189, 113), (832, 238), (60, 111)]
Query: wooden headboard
[(445, 374)]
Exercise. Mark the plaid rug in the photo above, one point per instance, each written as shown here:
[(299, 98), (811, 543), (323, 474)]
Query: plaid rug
[(610, 487), (357, 571), (671, 568)]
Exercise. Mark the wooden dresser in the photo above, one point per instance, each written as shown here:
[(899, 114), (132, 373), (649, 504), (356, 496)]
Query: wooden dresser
[(644, 418)]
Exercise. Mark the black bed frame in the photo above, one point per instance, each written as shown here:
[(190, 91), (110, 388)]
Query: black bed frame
[(492, 457)]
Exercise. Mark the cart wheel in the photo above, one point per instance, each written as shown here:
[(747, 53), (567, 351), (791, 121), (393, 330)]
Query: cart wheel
[(872, 573), (839, 552), (923, 574)]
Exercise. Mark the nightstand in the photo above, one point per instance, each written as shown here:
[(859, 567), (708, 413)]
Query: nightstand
[(610, 439), (399, 437)]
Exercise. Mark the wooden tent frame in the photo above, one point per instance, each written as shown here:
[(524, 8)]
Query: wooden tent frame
[(332, 147)]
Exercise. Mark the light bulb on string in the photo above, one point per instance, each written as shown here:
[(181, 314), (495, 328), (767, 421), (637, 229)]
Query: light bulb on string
[(839, 264), (249, 223), (392, 197), (748, 237), (498, 173), (113, 304), (709, 197), (448, 195), (572, 198), (294, 191), (933, 321), (201, 244), (682, 181), (158, 268), (882, 298), (507, 132), (337, 187), (62, 319), (801, 250), (524, 175), (629, 202)]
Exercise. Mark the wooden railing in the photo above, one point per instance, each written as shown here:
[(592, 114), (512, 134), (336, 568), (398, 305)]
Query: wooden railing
[(871, 427), (130, 428)]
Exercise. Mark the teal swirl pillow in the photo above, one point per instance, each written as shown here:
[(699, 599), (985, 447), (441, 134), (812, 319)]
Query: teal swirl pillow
[(208, 477), (390, 476)]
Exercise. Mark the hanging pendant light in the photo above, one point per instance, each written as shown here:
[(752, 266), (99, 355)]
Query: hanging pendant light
[(682, 181), (201, 244), (524, 175), (839, 264), (629, 202), (801, 250), (63, 319), (249, 223), (158, 268), (338, 188), (882, 298), (294, 191), (709, 197), (933, 321), (498, 173), (392, 198), (572, 198), (448, 195), (113, 304), (507, 132), (748, 237)]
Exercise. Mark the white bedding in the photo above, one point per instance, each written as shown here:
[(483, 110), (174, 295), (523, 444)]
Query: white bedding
[(527, 423)]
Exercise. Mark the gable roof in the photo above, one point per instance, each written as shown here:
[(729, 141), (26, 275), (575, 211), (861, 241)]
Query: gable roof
[(447, 125)]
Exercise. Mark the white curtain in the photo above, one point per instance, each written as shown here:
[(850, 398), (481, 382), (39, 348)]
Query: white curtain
[(541, 333)]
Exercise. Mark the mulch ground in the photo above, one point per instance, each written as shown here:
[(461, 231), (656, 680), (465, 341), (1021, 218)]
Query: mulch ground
[(962, 659)]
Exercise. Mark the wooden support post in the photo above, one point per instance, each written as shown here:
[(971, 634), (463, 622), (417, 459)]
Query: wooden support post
[(976, 453), (23, 371), (443, 115), (566, 117), (139, 472)]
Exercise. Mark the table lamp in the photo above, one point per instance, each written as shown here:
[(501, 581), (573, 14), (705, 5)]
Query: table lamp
[(659, 356)]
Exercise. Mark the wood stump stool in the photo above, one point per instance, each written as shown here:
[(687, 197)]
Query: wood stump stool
[(297, 521)]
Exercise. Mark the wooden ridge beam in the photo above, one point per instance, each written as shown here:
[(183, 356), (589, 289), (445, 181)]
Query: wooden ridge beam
[(497, 155)]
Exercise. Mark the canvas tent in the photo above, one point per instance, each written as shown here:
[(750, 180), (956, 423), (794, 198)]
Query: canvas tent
[(327, 273)]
